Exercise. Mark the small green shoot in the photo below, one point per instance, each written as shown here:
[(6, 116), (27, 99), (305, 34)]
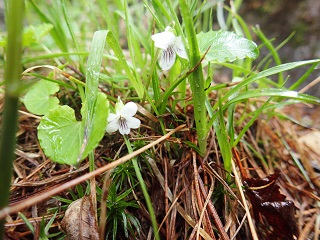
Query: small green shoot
[(44, 228), (117, 214)]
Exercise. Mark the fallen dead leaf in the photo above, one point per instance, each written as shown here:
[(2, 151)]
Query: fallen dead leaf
[(312, 141), (79, 221), (267, 201)]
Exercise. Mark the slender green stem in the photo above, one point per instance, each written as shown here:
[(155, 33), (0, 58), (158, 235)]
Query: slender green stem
[(164, 98), (296, 84), (174, 16), (10, 112), (73, 36), (272, 50), (154, 15), (57, 32), (196, 78), (144, 191)]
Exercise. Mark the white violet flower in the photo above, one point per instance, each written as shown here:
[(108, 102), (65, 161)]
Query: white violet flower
[(123, 119), (170, 45)]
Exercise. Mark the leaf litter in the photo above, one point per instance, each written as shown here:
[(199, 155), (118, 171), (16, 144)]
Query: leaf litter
[(79, 221), (181, 182)]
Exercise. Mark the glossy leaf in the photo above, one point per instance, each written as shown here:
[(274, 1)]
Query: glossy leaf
[(267, 200), (91, 111), (271, 92), (256, 77), (38, 99), (98, 123), (61, 135), (226, 46)]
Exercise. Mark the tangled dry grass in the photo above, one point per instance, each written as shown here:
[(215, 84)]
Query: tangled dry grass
[(193, 196)]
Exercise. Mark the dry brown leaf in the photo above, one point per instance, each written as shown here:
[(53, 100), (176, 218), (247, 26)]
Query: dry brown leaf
[(312, 140), (79, 221), (267, 200)]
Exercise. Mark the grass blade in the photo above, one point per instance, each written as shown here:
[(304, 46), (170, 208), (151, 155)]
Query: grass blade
[(10, 110)]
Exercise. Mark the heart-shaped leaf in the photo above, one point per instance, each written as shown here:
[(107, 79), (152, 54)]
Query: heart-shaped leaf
[(61, 135), (226, 46), (38, 99)]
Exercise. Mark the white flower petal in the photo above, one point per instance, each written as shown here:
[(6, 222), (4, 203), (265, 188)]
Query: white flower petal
[(168, 28), (179, 48), (113, 116), (112, 126), (130, 109), (123, 119), (123, 127), (163, 40), (133, 122), (167, 58)]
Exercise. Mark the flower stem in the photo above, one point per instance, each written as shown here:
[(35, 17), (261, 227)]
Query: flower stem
[(144, 190), (196, 78), (10, 112)]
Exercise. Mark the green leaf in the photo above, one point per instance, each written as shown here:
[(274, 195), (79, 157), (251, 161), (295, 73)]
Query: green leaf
[(98, 125), (31, 35), (226, 46), (38, 99), (122, 61), (266, 73), (274, 92), (61, 135), (223, 140), (91, 105), (3, 41), (27, 222), (196, 78), (253, 78)]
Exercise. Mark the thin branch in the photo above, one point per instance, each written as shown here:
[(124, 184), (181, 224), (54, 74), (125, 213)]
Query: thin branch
[(238, 182), (39, 198)]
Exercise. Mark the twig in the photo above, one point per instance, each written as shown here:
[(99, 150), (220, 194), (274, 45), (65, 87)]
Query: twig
[(36, 199), (310, 85), (214, 213), (238, 182), (204, 208), (197, 188), (182, 212), (103, 207), (197, 180), (166, 187)]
